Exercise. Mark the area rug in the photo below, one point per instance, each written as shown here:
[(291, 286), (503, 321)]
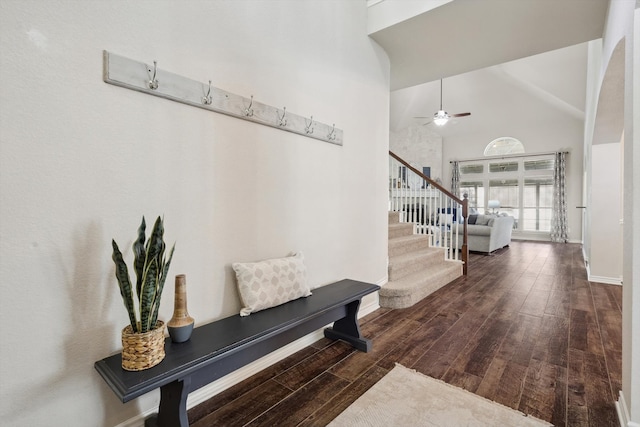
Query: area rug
[(405, 397)]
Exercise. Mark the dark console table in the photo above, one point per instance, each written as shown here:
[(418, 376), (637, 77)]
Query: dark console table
[(221, 347)]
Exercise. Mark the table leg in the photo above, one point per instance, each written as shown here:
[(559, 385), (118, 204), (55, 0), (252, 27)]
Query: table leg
[(172, 411), (347, 329)]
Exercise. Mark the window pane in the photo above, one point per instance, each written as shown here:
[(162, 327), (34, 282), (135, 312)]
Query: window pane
[(529, 219), (503, 167), (538, 196), (504, 145), (545, 219), (471, 169), (475, 190), (505, 191), (546, 196), (546, 164)]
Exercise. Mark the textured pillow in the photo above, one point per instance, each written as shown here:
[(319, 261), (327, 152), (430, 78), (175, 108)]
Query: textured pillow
[(483, 219), (472, 219), (271, 282)]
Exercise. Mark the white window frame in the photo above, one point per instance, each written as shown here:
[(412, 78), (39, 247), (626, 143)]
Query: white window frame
[(520, 175)]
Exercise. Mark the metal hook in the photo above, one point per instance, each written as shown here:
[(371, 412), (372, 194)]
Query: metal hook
[(206, 100), (308, 128), (282, 121), (332, 135), (249, 111), (153, 82)]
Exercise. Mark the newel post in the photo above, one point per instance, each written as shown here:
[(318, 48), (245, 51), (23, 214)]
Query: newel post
[(465, 248)]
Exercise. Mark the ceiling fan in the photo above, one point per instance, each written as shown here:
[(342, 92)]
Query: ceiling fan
[(441, 117)]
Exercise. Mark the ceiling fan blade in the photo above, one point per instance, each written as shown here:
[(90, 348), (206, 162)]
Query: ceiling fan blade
[(422, 117), (427, 123), (460, 115)]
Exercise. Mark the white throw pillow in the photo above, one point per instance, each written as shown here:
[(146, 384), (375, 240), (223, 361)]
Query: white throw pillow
[(271, 282), (484, 219)]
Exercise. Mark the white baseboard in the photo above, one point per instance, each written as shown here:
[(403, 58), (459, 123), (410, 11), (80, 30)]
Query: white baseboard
[(210, 390), (605, 280), (599, 279), (623, 413)]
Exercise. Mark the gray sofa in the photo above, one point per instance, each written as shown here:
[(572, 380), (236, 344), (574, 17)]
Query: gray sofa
[(487, 233)]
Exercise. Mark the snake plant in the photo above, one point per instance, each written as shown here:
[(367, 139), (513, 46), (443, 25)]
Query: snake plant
[(151, 270)]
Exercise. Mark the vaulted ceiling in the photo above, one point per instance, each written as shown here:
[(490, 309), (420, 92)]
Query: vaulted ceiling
[(504, 61)]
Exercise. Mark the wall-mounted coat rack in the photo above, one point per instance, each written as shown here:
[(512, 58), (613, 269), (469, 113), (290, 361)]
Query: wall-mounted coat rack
[(153, 80)]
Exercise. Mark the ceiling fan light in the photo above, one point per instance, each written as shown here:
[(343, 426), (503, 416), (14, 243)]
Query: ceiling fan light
[(440, 118)]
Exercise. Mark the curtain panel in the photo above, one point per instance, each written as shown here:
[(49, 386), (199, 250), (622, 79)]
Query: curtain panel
[(455, 178), (559, 224)]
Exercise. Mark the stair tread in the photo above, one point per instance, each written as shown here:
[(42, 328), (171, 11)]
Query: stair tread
[(400, 229), (416, 255), (416, 280), (404, 239), (400, 224), (415, 269)]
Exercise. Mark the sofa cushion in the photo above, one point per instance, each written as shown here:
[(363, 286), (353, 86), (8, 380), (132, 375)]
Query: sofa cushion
[(271, 282), (472, 219), (478, 230), (484, 219)]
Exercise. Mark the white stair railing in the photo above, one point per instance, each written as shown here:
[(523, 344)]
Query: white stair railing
[(433, 210)]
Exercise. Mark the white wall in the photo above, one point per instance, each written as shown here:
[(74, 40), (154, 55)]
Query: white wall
[(419, 146), (606, 213), (385, 13), (631, 261), (623, 23), (81, 161), (594, 65)]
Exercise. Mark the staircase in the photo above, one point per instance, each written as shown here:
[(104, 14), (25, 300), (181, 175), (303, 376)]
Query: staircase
[(415, 268)]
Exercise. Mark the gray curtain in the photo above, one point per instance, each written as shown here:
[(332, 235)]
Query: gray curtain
[(455, 178), (559, 225)]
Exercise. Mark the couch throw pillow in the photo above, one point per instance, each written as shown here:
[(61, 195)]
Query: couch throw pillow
[(472, 219), (483, 219), (271, 282)]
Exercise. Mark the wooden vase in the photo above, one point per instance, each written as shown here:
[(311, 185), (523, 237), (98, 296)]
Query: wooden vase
[(181, 324)]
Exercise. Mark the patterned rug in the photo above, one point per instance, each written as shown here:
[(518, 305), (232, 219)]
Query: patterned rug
[(405, 397)]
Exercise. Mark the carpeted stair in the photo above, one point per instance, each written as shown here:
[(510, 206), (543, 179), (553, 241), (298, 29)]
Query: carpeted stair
[(415, 268)]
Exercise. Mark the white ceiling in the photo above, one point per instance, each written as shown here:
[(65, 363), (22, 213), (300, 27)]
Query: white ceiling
[(507, 96), (465, 35), (507, 62)]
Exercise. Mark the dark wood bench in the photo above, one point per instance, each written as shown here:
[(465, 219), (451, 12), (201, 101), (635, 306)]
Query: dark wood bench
[(221, 347)]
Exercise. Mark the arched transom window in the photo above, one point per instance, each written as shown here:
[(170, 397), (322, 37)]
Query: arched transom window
[(504, 145)]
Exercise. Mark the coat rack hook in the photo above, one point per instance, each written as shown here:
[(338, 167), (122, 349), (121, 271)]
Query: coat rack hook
[(308, 127), (249, 111), (153, 82), (332, 134), (282, 121), (206, 100)]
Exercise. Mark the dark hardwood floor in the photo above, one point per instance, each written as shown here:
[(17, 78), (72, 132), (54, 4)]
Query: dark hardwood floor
[(525, 328)]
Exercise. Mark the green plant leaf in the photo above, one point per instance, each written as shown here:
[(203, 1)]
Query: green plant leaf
[(155, 244), (140, 255), (163, 276), (148, 295), (151, 271), (122, 274)]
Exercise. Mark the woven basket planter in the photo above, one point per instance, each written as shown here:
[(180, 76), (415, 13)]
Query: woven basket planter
[(142, 351)]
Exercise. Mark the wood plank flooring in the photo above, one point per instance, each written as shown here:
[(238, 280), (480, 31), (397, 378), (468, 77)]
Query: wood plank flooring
[(525, 328)]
